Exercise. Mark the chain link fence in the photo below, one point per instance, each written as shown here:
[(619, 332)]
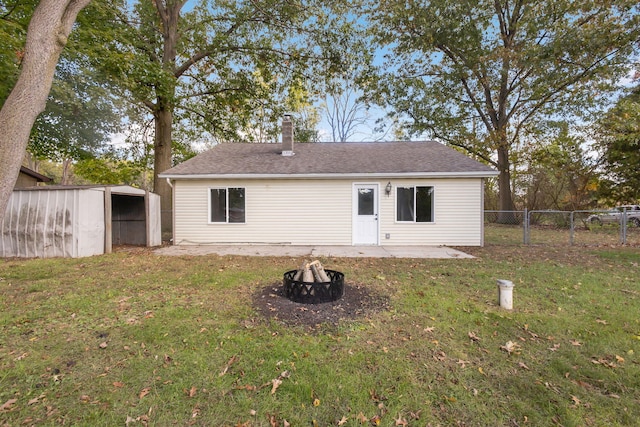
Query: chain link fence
[(561, 228)]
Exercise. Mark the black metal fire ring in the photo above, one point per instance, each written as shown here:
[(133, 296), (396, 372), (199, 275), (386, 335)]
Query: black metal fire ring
[(314, 292)]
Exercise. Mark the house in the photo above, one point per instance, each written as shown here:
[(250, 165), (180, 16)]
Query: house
[(78, 220), (29, 178), (381, 193)]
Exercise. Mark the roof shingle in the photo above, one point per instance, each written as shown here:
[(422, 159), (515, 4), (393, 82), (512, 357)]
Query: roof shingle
[(350, 158)]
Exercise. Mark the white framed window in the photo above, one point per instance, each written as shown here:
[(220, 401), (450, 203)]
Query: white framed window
[(414, 204), (226, 205)]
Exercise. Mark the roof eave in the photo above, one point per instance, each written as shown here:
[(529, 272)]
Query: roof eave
[(397, 175)]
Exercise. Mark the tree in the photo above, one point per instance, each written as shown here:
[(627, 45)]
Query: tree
[(201, 68), (560, 173), (344, 110), (306, 117), (481, 74), (47, 35), (619, 145), (79, 118), (14, 19)]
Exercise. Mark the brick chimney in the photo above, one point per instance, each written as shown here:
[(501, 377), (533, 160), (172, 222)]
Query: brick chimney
[(287, 135)]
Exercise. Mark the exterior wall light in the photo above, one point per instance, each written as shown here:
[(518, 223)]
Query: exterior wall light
[(388, 188)]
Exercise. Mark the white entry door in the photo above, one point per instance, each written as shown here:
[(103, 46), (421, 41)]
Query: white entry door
[(365, 214)]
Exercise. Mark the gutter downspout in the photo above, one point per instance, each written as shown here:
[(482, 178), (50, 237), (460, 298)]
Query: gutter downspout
[(173, 210)]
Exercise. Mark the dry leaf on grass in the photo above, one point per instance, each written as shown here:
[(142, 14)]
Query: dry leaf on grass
[(511, 347), (6, 406), (401, 421), (228, 365), (191, 392), (473, 336), (144, 392), (275, 384)]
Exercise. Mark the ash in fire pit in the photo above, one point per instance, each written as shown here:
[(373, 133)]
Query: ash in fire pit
[(312, 284)]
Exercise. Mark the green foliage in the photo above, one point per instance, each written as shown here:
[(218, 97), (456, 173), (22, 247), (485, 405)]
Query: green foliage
[(80, 116), (481, 75), (619, 144), (104, 170), (14, 18), (234, 63), (561, 174)]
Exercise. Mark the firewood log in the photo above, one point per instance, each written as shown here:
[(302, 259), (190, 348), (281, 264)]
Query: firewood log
[(318, 272), (307, 275), (300, 272)]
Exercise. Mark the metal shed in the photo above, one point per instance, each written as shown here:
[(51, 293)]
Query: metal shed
[(78, 221)]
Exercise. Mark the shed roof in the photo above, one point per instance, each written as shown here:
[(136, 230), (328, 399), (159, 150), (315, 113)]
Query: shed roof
[(330, 160), (115, 188), (37, 176)]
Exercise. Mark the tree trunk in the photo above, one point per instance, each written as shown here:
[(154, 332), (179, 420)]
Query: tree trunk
[(47, 34), (169, 13), (505, 201), (162, 162)]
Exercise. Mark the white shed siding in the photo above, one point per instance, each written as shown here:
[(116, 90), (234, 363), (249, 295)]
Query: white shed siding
[(39, 224), (297, 212), (319, 212), (90, 227)]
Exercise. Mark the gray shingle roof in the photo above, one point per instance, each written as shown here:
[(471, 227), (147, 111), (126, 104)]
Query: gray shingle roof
[(331, 159)]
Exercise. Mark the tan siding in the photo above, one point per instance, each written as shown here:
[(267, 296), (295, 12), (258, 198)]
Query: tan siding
[(290, 212), (457, 215), (319, 212)]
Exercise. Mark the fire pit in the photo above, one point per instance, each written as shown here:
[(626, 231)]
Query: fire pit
[(316, 292)]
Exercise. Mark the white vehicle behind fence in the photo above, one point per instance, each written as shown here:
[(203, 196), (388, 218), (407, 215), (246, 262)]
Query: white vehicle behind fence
[(616, 215)]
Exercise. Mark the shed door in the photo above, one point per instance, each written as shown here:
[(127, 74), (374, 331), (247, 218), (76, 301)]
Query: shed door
[(365, 214)]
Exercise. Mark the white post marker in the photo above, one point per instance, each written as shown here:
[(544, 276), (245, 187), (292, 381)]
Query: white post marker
[(505, 294)]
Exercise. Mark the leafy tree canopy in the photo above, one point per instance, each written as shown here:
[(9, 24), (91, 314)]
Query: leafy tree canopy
[(619, 144), (482, 74)]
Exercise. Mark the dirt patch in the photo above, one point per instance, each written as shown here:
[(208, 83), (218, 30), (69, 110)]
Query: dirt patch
[(357, 302)]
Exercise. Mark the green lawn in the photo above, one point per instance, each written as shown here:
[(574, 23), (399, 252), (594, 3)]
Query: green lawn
[(136, 339)]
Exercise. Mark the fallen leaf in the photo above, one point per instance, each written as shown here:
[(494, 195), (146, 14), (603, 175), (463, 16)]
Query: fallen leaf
[(473, 336), (576, 343), (575, 400), (429, 329), (36, 400), (619, 359), (103, 345), (401, 421), (462, 363), (6, 406), (191, 392), (144, 392), (285, 423), (275, 384), (511, 347), (602, 322), (376, 420), (523, 366), (362, 418), (118, 384), (229, 363), (555, 347), (343, 421)]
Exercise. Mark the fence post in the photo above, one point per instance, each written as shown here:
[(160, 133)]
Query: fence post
[(525, 229), (623, 225), (571, 229)]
